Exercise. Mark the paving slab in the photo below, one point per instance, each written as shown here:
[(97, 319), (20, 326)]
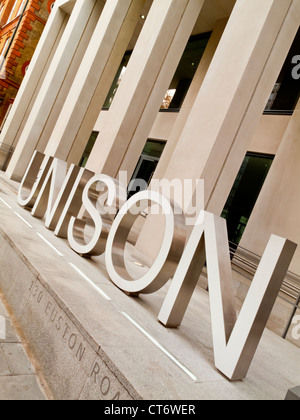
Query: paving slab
[(17, 359), (18, 377), (4, 368), (93, 342), (20, 388)]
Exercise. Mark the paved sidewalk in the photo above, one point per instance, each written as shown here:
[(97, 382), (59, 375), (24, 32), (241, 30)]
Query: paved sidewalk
[(18, 380)]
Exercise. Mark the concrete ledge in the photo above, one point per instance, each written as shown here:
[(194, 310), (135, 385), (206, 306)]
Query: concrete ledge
[(75, 322), (68, 356)]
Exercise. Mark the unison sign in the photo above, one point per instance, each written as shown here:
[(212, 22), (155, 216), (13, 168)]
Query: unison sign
[(91, 211)]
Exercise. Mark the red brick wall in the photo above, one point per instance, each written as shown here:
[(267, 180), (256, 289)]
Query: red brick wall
[(22, 48)]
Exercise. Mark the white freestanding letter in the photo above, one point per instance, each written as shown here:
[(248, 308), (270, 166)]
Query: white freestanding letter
[(87, 234), (235, 342)]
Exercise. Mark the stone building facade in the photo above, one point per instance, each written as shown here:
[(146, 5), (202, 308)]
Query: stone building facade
[(231, 115)]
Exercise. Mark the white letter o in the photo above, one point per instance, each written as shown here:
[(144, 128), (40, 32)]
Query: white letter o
[(168, 257)]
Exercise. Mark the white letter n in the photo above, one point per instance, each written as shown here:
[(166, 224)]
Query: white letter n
[(235, 341)]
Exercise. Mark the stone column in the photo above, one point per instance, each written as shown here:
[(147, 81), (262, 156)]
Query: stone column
[(231, 100), (190, 98), (252, 117), (34, 77), (147, 78), (278, 206), (91, 85), (51, 87), (233, 95)]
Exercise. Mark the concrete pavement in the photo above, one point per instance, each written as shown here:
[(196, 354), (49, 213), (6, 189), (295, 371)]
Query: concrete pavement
[(18, 379)]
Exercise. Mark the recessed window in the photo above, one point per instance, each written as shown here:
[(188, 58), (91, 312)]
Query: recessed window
[(182, 79), (116, 83), (12, 11), (185, 72), (244, 194), (286, 92), (146, 166), (21, 7), (88, 149), (4, 52)]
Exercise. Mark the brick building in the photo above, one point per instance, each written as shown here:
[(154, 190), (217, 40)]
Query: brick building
[(21, 25)]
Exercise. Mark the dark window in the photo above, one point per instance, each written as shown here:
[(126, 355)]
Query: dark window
[(88, 149), (185, 72), (182, 79), (146, 166), (244, 194), (117, 81), (286, 92)]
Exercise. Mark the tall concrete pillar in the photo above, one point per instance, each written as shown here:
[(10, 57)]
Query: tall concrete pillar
[(231, 100), (94, 77), (190, 98), (34, 76), (278, 206), (233, 95), (147, 78), (50, 89)]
